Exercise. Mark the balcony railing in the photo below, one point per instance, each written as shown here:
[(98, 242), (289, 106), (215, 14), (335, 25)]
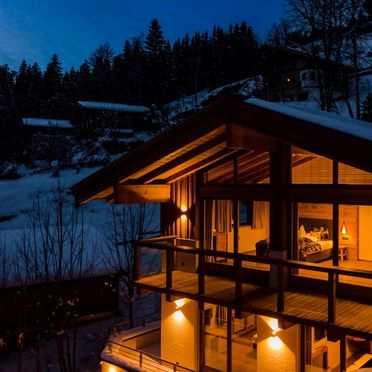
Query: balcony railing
[(132, 356), (277, 265)]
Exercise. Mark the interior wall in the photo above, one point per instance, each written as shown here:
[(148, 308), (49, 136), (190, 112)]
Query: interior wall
[(365, 236), (248, 238)]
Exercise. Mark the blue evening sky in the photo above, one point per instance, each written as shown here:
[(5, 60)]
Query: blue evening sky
[(35, 29)]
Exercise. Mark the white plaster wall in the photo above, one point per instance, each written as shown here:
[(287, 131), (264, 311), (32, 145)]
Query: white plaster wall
[(280, 353), (179, 330), (107, 367)]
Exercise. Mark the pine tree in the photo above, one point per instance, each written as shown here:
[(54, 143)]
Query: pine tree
[(367, 108), (155, 70), (53, 77), (52, 82), (368, 8), (100, 63), (84, 91)]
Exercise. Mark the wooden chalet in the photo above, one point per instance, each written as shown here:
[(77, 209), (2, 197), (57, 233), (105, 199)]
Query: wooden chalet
[(265, 253), (118, 117), (292, 74)]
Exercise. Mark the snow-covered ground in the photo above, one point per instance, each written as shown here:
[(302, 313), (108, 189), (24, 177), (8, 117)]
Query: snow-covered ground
[(30, 224), (16, 196)]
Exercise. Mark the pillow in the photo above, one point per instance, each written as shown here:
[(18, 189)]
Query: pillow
[(302, 232), (313, 236)]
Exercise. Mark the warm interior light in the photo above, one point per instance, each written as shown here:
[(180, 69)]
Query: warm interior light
[(112, 369), (183, 208), (183, 217), (343, 228)]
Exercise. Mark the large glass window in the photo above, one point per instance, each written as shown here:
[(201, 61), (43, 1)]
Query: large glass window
[(242, 342), (309, 168), (350, 175)]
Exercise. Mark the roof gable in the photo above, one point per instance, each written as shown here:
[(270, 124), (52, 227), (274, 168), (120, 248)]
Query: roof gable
[(221, 130)]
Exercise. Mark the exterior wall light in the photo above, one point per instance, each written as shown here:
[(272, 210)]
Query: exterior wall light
[(183, 213), (179, 303)]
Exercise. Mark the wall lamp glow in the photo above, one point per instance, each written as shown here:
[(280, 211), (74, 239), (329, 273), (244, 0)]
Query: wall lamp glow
[(274, 325), (179, 303), (183, 213)]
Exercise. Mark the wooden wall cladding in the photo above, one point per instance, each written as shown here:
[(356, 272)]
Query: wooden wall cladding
[(178, 215)]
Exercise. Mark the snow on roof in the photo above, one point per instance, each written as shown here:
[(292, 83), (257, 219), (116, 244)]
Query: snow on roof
[(114, 107), (330, 120), (47, 123)]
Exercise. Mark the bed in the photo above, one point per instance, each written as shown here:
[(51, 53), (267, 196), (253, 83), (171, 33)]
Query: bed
[(315, 242)]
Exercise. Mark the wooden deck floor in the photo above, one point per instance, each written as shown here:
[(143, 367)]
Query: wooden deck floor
[(298, 305)]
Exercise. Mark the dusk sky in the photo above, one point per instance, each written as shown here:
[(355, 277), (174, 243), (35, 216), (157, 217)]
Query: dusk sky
[(35, 29)]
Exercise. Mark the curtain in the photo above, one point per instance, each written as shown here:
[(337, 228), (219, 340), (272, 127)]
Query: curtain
[(223, 215), (260, 215)]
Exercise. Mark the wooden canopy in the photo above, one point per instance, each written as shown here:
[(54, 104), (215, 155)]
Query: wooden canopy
[(212, 136)]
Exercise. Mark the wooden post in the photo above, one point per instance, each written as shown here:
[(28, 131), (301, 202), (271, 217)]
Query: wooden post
[(201, 259), (201, 278), (229, 340), (343, 353), (169, 269), (280, 177), (201, 356), (331, 297), (238, 284), (335, 219), (237, 261), (302, 348), (280, 289)]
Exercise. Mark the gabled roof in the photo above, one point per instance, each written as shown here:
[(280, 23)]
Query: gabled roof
[(108, 106), (224, 128), (47, 123)]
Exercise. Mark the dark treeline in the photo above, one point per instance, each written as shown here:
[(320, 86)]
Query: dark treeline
[(147, 71)]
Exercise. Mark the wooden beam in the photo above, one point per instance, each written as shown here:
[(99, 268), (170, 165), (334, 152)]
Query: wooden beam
[(129, 194), (280, 177), (244, 138), (199, 165), (233, 192), (344, 147), (342, 194), (189, 155)]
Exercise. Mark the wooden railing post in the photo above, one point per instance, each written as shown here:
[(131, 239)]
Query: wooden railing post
[(169, 269), (201, 277), (331, 297), (238, 283), (280, 288)]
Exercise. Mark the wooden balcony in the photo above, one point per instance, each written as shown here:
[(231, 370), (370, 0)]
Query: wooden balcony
[(327, 307)]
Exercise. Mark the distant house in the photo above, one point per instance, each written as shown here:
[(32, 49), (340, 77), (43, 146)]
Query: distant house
[(48, 126), (121, 118), (50, 139), (294, 75)]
